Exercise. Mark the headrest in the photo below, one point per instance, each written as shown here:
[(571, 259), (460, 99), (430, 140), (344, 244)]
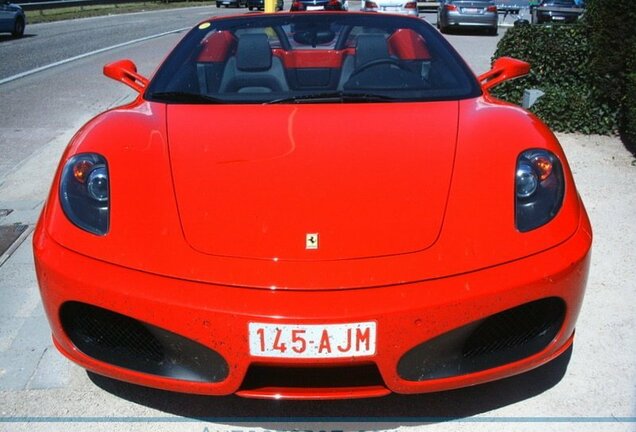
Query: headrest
[(217, 46), (370, 47), (253, 53), (406, 44)]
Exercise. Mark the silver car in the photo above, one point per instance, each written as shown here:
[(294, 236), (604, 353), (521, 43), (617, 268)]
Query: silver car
[(404, 7), (467, 13), (12, 19)]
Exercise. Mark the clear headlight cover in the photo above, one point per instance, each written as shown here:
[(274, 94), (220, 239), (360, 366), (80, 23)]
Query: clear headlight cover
[(539, 188), (85, 194)]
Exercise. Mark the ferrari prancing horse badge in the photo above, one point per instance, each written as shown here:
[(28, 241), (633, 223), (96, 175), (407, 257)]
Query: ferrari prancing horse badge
[(311, 241)]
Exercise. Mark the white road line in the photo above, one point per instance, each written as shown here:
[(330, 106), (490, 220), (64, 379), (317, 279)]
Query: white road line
[(88, 54)]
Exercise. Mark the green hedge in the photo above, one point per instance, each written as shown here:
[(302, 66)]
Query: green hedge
[(611, 28), (628, 129), (628, 120), (559, 58)]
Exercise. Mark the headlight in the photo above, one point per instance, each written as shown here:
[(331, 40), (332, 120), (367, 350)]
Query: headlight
[(84, 192), (539, 189)]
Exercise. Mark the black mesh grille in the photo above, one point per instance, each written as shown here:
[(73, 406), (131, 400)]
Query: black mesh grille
[(126, 342), (510, 329), (316, 377), (111, 331), (499, 339)]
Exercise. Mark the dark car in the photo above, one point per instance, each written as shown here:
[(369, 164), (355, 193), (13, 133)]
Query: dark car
[(260, 4), (562, 11), (315, 5), (232, 3), (12, 19)]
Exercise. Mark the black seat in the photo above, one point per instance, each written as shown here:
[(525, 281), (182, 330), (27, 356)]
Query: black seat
[(253, 69), (369, 47), (376, 70)]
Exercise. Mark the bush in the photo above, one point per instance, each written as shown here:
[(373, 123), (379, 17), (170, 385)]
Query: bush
[(611, 25), (611, 28), (559, 58), (628, 123)]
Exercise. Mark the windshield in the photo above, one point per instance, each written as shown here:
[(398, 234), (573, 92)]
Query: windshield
[(312, 58)]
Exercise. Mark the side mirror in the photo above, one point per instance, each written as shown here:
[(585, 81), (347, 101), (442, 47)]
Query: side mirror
[(125, 71), (504, 69)]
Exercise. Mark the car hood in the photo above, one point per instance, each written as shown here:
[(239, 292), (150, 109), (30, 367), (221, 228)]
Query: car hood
[(312, 181)]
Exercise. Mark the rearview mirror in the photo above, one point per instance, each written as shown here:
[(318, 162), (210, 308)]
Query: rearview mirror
[(504, 69), (125, 71)]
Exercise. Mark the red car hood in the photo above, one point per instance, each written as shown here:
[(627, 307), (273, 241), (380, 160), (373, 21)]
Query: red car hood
[(365, 180)]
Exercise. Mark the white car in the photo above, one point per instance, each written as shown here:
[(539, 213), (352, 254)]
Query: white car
[(404, 7)]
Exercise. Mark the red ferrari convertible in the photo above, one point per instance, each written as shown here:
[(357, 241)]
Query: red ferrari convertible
[(316, 205)]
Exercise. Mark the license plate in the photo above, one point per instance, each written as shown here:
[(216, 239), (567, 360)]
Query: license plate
[(471, 10), (310, 8), (390, 8), (312, 341)]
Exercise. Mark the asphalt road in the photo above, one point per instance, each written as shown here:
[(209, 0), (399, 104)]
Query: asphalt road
[(591, 388), (48, 43), (81, 90)]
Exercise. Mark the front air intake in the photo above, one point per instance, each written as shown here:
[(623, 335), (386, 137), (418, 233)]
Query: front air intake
[(123, 341), (499, 339)]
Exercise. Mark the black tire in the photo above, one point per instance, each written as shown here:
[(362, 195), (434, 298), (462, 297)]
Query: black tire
[(18, 28), (218, 4), (493, 31), (250, 8)]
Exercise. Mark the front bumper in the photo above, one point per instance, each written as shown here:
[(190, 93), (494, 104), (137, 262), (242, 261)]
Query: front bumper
[(406, 315)]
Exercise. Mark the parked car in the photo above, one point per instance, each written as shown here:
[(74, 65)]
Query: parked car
[(404, 7), (468, 14), (272, 218), (316, 5), (231, 3), (427, 5), (260, 4), (12, 19), (561, 11)]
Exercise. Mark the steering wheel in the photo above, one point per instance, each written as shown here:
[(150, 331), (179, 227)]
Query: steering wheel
[(378, 62)]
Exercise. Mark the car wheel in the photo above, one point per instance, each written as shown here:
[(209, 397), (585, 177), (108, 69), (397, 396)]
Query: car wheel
[(250, 8), (218, 5), (18, 28), (493, 31)]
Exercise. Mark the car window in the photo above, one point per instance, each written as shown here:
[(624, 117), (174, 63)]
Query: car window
[(308, 57)]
